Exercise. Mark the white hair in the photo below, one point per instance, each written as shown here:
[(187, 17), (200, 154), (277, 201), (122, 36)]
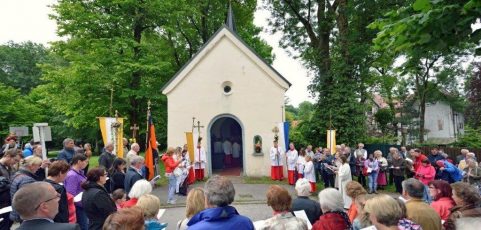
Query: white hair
[(331, 200), (470, 154), (141, 187), (303, 187)]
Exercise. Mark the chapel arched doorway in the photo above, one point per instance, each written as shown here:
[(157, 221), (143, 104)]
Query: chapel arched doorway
[(225, 134)]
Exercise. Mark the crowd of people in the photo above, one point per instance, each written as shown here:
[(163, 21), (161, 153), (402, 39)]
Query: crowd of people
[(435, 192)]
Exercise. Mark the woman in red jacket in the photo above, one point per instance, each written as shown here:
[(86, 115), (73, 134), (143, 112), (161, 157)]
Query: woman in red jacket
[(425, 172), (441, 192), (170, 164)]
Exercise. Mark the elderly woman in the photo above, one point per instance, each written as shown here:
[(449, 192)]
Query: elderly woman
[(398, 168), (25, 175), (332, 207), (386, 213), (95, 200), (353, 190), (280, 201), (150, 206), (425, 172), (140, 188), (472, 174), (302, 202), (467, 201), (441, 192), (194, 204), (372, 168), (383, 166), (463, 163), (219, 194), (129, 218)]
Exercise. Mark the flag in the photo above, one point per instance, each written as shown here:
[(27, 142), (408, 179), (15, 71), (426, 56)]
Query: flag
[(190, 144), (283, 134), (151, 146), (113, 135), (331, 140)]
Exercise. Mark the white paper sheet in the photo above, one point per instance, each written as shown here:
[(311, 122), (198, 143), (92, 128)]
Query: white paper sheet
[(78, 197), (160, 213), (6, 209), (302, 214)]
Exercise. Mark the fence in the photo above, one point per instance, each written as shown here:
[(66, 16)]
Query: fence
[(451, 151)]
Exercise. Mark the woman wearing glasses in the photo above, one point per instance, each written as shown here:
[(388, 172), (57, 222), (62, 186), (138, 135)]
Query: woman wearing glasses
[(95, 200)]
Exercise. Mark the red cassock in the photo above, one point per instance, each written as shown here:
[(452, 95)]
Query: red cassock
[(276, 173), (290, 176), (191, 176), (199, 174), (313, 186)]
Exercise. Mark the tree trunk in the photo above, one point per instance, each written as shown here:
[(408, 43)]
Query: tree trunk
[(421, 117)]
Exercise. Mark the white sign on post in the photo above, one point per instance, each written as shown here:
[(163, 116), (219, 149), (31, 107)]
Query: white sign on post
[(41, 133), (19, 131)]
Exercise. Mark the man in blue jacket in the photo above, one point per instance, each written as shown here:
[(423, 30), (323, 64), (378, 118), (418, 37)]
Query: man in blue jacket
[(219, 194)]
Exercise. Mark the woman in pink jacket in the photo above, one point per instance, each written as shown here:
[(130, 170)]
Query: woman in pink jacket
[(425, 172), (441, 193)]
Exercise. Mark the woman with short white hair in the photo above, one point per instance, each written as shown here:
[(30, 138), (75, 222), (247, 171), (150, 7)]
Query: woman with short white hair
[(302, 202), (332, 206), (140, 188)]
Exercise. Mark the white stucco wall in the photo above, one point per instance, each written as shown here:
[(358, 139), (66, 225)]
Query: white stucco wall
[(256, 100), (440, 114)]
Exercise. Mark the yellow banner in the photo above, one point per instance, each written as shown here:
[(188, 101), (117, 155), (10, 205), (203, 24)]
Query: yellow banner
[(331, 140), (112, 134), (190, 145)]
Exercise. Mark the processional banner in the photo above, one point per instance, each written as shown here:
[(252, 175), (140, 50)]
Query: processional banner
[(113, 132)]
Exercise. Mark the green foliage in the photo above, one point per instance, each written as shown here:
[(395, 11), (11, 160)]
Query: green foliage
[(471, 138), (384, 117), (473, 96), (130, 47), (385, 139), (435, 25), (18, 65), (17, 110)]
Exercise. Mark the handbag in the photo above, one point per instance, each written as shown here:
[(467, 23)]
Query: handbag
[(365, 171), (177, 172)]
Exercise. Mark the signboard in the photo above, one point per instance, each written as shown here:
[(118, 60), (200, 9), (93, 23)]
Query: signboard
[(20, 131), (46, 132)]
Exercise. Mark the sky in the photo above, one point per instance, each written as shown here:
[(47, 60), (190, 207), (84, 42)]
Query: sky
[(27, 20)]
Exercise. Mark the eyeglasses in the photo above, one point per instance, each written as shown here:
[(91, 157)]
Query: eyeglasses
[(431, 187), (53, 198)]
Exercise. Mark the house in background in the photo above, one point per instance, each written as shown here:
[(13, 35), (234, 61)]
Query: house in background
[(442, 123)]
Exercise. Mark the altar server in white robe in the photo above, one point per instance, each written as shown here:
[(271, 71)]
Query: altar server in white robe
[(291, 156), (310, 172), (276, 155), (199, 160), (344, 174)]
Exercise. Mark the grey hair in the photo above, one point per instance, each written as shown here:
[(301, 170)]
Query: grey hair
[(141, 187), (134, 145), (28, 197), (471, 155), (219, 191), (413, 188), (136, 159), (331, 200), (303, 188), (66, 141)]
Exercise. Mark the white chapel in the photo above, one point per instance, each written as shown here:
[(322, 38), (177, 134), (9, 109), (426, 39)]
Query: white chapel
[(235, 95)]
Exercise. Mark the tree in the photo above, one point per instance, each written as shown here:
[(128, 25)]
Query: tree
[(433, 25), (473, 95), (18, 65), (17, 110), (332, 40), (117, 55), (384, 117)]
